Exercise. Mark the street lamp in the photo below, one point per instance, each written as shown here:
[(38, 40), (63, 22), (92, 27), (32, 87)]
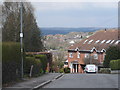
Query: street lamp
[(21, 38)]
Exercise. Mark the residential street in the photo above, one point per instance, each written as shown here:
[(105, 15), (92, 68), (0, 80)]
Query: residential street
[(31, 83), (85, 81)]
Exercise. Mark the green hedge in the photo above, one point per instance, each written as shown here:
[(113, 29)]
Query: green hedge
[(31, 61), (115, 64), (39, 63), (67, 70), (44, 60), (10, 61)]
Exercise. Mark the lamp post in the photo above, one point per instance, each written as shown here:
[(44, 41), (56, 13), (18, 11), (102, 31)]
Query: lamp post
[(21, 38)]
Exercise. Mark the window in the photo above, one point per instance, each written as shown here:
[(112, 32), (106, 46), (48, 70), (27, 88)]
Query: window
[(112, 41), (71, 55), (65, 63), (78, 55), (85, 41), (86, 55), (108, 41), (97, 41), (95, 56), (103, 41), (90, 41), (117, 42)]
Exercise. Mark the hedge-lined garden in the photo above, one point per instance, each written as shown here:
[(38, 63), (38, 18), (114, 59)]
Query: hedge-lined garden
[(115, 64), (11, 63)]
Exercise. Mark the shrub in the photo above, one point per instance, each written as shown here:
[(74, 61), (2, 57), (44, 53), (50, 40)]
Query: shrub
[(67, 70), (39, 63), (105, 70), (31, 61), (62, 70), (11, 62), (115, 64), (43, 60)]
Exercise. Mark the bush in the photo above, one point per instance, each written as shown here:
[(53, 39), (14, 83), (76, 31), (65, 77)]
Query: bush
[(43, 60), (31, 61), (112, 53), (11, 62), (105, 70), (67, 70), (62, 70), (115, 64), (39, 63)]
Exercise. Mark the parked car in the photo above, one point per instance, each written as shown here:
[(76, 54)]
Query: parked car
[(91, 68)]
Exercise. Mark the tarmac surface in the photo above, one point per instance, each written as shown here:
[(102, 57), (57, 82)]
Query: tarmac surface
[(85, 81)]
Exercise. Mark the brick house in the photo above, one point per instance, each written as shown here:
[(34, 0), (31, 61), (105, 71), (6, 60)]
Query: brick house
[(91, 50)]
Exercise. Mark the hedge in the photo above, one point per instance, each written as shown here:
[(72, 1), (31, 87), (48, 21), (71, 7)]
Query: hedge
[(44, 60), (105, 70), (11, 63), (39, 63), (115, 64), (67, 70), (31, 61)]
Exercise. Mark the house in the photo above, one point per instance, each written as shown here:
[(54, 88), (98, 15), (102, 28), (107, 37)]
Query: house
[(91, 50)]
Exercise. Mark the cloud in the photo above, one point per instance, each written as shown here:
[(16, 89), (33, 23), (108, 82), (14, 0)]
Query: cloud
[(47, 6), (57, 6)]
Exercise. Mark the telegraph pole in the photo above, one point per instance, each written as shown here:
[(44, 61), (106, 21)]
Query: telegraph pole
[(21, 37)]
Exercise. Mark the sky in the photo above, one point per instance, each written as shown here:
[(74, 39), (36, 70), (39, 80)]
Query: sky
[(76, 14)]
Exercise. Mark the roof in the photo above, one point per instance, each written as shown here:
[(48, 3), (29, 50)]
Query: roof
[(100, 40)]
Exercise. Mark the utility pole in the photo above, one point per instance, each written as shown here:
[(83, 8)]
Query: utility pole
[(21, 37)]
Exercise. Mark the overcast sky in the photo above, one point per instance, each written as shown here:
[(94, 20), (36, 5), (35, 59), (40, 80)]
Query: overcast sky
[(76, 14)]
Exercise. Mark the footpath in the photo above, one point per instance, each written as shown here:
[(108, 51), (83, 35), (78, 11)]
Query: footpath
[(34, 83)]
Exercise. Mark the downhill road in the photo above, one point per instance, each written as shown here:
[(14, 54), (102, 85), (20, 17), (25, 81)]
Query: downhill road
[(85, 81)]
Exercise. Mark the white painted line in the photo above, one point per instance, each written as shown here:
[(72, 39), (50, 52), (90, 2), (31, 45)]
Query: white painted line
[(39, 86)]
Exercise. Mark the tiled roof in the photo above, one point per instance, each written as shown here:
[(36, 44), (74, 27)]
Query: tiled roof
[(108, 37)]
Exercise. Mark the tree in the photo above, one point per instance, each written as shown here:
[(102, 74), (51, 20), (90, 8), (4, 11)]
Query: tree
[(11, 25), (112, 53)]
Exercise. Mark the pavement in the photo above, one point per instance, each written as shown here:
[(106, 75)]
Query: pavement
[(85, 81), (34, 83)]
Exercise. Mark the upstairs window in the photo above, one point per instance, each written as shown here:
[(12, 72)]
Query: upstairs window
[(97, 41), (85, 41), (108, 41), (90, 41), (86, 55), (117, 42), (78, 55), (103, 41), (112, 41), (71, 55), (95, 56)]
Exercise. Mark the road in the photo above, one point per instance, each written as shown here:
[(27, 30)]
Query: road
[(85, 81)]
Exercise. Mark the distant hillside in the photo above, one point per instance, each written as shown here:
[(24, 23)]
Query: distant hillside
[(60, 41), (57, 30)]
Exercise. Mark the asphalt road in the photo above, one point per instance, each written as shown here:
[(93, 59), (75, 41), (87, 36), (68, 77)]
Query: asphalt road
[(85, 81)]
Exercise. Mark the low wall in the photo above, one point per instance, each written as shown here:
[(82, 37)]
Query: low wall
[(115, 71)]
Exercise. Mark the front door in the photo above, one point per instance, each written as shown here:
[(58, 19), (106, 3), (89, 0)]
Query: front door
[(75, 66)]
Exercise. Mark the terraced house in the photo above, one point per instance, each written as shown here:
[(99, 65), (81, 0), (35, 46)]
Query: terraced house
[(91, 50)]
